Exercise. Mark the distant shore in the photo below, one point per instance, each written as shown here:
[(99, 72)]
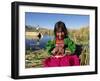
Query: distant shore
[(31, 35)]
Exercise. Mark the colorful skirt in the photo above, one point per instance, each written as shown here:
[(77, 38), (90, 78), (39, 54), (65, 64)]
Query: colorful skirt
[(67, 60)]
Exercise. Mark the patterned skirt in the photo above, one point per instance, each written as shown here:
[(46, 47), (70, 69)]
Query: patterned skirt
[(67, 60)]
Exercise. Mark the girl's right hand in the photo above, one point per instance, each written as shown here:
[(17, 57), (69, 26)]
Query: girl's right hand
[(54, 50)]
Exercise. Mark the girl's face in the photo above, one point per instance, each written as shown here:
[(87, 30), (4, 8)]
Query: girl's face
[(60, 35)]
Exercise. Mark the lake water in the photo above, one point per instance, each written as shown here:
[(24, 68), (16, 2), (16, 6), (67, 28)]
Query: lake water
[(34, 44)]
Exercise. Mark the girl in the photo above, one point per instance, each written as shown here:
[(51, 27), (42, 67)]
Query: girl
[(61, 49)]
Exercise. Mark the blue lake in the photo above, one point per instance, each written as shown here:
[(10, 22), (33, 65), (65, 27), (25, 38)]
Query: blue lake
[(34, 44)]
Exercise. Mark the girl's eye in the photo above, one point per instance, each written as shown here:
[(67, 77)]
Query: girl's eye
[(57, 33), (62, 33)]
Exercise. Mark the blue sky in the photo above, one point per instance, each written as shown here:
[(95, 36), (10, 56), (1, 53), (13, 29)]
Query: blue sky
[(48, 20)]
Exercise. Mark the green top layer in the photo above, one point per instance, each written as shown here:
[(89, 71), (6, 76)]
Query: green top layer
[(69, 44)]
